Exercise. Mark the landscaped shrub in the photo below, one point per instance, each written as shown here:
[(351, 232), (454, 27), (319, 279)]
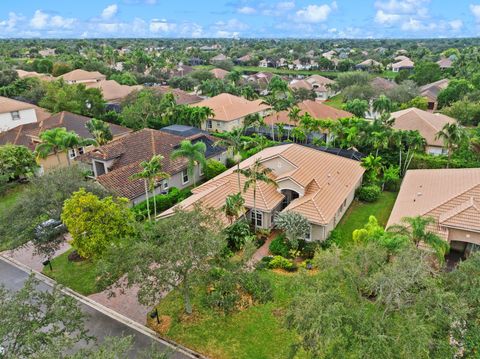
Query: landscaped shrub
[(279, 247), (369, 193), (425, 161), (230, 162), (213, 169), (307, 249), (259, 288), (237, 235), (279, 262), (164, 202)]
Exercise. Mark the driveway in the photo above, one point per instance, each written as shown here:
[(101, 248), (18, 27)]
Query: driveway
[(100, 323)]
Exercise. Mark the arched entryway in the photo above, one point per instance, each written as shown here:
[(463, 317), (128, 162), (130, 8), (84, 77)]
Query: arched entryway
[(290, 195)]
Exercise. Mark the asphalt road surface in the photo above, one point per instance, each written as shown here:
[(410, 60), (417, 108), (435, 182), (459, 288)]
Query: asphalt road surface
[(99, 324)]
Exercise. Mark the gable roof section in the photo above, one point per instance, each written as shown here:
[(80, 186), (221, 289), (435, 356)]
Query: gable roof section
[(82, 75), (227, 107), (219, 73), (181, 97), (112, 91), (426, 123)]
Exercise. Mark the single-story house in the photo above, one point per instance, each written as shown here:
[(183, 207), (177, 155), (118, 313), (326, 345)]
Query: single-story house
[(319, 84), (427, 124), (28, 135), (262, 79), (244, 59), (181, 70), (115, 163), (431, 91), (47, 52), (112, 91), (369, 65), (218, 58), (316, 184), (405, 64), (219, 73), (329, 54), (82, 76), (22, 74), (445, 63), (451, 197), (15, 113), (230, 111), (181, 97)]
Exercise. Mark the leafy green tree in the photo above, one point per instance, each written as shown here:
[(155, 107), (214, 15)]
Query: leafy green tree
[(453, 136), (427, 72), (96, 223), (100, 130), (16, 162), (295, 226), (357, 107), (194, 153), (34, 323), (52, 141), (416, 230), (382, 104), (253, 175), (404, 92), (151, 173), (125, 78), (7, 76), (373, 168), (59, 68), (142, 110), (419, 102), (466, 112), (455, 91), (213, 168), (234, 206), (163, 260)]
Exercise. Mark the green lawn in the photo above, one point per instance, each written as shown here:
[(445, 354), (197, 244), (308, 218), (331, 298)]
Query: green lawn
[(335, 101), (358, 213), (8, 199), (254, 333), (79, 276)]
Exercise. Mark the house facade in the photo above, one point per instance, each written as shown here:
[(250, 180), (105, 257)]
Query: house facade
[(15, 113), (81, 76), (316, 184)]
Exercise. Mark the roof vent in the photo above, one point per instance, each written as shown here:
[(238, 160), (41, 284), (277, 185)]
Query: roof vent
[(419, 194)]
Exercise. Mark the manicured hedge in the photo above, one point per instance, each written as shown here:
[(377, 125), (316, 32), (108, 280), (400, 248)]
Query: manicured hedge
[(164, 202)]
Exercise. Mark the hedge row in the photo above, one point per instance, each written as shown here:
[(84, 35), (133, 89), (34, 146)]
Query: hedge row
[(164, 202)]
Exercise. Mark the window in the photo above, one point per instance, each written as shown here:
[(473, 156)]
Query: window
[(71, 153), (165, 184), (81, 151), (185, 178), (15, 115), (309, 235), (209, 124), (257, 218)]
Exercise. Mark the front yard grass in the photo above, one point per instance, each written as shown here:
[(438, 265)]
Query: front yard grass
[(358, 213), (256, 332), (79, 276), (7, 200)]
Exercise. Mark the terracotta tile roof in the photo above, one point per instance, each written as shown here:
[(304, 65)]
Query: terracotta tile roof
[(321, 80), (181, 97), (383, 84), (426, 123), (432, 90), (327, 180), (82, 75), (112, 91), (406, 63), (220, 57), (445, 63), (219, 73), (10, 105), (26, 74), (316, 109), (129, 151), (369, 63), (450, 196), (227, 107), (28, 135)]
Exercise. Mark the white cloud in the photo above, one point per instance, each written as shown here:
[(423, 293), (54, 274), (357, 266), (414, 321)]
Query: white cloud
[(39, 20), (285, 5), (314, 13), (109, 12), (456, 25), (382, 17), (247, 10), (10, 23), (163, 25), (278, 9), (227, 34), (475, 9), (412, 25)]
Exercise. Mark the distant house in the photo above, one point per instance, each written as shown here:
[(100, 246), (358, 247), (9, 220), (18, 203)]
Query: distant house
[(263, 63), (318, 185), (181, 97), (445, 63), (261, 79), (244, 59), (47, 52), (112, 91), (15, 113), (405, 64), (401, 58), (427, 124), (114, 163), (382, 85), (195, 61), (329, 54), (218, 58), (319, 84), (219, 73), (82, 76), (369, 65), (431, 91), (451, 197), (28, 135), (28, 74), (230, 111)]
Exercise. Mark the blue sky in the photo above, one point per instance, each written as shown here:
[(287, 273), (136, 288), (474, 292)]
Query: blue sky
[(240, 18)]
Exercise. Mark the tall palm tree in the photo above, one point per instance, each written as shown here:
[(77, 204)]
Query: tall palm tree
[(254, 174), (452, 136), (382, 105), (415, 228), (194, 153), (234, 143), (234, 206), (52, 141), (373, 167), (100, 130)]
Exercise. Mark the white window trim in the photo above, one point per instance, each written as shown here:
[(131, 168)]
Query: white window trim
[(165, 184), (15, 115), (72, 153), (253, 217), (185, 174)]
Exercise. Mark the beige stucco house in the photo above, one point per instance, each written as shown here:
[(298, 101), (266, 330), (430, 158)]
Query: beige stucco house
[(317, 184), (230, 111), (15, 113)]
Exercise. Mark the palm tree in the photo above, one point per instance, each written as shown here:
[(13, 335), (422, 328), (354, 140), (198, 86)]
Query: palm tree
[(234, 77), (373, 167), (382, 105), (254, 174), (52, 141), (415, 228), (379, 139), (234, 206), (234, 143), (100, 130), (194, 153), (249, 93), (452, 136)]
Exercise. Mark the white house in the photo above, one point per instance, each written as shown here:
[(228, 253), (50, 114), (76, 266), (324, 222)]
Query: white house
[(14, 113)]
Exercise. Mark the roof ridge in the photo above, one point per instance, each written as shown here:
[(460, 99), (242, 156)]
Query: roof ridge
[(450, 199)]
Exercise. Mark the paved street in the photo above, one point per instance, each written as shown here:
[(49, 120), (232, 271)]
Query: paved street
[(99, 324)]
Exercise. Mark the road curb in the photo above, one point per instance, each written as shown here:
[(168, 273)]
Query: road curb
[(105, 310)]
